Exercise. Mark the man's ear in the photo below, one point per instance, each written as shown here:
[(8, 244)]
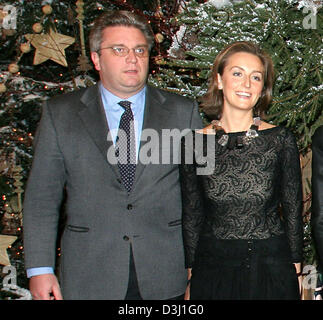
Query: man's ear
[(96, 60)]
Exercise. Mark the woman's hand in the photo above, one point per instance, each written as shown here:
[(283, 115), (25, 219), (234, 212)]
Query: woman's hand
[(187, 292), (298, 268), (187, 295)]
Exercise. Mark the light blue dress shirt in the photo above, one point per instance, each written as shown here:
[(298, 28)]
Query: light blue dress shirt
[(113, 112)]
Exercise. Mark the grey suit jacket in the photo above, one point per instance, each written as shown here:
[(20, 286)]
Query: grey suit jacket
[(102, 221)]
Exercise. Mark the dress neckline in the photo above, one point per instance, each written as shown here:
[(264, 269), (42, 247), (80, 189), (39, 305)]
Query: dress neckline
[(239, 132)]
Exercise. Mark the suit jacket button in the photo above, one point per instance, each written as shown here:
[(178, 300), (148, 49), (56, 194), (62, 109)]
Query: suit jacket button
[(129, 206), (126, 238)]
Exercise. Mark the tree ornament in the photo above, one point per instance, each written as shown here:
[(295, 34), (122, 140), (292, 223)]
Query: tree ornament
[(25, 47), (9, 32), (160, 60), (37, 27), (47, 9), (2, 15), (50, 46), (5, 242), (159, 37), (3, 88), (83, 60), (3, 27), (10, 223), (19, 190), (13, 68), (4, 163), (70, 16)]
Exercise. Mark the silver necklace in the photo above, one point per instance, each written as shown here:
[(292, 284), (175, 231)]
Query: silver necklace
[(250, 134)]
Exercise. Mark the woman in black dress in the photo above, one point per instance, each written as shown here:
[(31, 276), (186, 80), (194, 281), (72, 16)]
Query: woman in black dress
[(241, 188)]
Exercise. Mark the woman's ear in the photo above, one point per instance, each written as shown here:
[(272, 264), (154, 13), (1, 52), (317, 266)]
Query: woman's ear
[(219, 81)]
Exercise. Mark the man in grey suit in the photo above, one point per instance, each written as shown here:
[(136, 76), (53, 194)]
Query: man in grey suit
[(122, 237)]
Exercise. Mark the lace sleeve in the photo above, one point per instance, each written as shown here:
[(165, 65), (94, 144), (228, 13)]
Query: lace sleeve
[(192, 199), (317, 193), (291, 190)]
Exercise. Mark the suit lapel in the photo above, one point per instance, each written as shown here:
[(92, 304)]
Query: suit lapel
[(153, 119), (95, 122)]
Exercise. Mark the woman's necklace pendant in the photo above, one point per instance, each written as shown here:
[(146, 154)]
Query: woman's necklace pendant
[(251, 134), (223, 141)]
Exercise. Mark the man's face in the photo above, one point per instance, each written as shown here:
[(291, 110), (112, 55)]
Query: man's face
[(123, 76)]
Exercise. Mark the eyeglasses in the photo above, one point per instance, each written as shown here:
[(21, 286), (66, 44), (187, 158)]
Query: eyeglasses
[(141, 52)]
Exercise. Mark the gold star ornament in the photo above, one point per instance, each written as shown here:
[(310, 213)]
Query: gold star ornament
[(51, 46), (5, 242)]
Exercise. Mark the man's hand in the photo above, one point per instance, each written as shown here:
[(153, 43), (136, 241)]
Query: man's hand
[(45, 287)]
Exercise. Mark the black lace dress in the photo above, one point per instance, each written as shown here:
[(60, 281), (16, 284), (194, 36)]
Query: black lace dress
[(242, 215)]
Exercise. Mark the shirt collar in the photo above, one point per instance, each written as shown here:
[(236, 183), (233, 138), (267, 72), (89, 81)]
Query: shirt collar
[(110, 101)]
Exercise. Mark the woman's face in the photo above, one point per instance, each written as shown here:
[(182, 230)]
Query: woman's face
[(242, 81)]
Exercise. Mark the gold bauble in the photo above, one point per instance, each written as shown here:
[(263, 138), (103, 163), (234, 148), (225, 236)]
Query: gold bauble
[(25, 47), (159, 38), (47, 9), (37, 27), (13, 68), (160, 60), (3, 88)]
